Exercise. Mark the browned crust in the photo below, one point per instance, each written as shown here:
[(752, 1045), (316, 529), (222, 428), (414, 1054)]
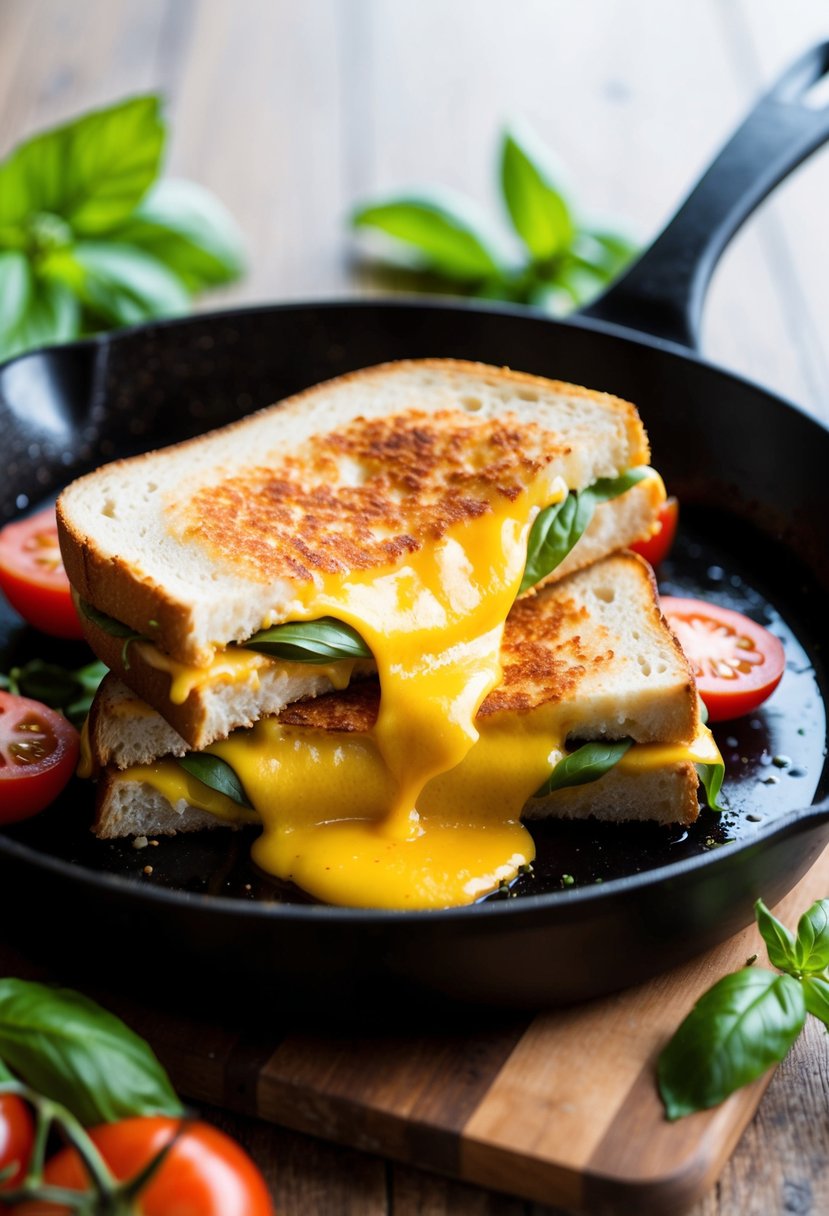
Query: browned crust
[(113, 587)]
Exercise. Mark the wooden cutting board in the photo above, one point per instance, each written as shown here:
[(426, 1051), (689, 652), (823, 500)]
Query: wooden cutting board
[(560, 1108)]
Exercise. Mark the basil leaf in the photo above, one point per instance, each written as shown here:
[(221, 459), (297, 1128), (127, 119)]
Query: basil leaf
[(69, 691), (16, 277), (215, 773), (92, 171), (712, 777), (121, 285), (51, 315), (441, 233), (587, 763), (812, 945), (183, 226), (322, 641), (738, 1029), (558, 527), (816, 996), (5, 1075), (73, 1051), (780, 944), (108, 623), (538, 211), (609, 252)]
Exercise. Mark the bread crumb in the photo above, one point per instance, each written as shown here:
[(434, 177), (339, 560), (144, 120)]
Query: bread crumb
[(154, 843), (148, 869), (140, 842)]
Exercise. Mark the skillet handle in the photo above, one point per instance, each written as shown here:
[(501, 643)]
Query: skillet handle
[(662, 294)]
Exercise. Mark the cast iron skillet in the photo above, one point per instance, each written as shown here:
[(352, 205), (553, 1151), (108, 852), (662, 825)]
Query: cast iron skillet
[(750, 470)]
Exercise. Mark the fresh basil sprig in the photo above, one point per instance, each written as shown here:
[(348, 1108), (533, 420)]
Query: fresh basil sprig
[(435, 240), (116, 629), (749, 1019), (325, 640), (216, 773), (712, 776), (69, 691), (587, 763), (71, 1050), (89, 239), (558, 527)]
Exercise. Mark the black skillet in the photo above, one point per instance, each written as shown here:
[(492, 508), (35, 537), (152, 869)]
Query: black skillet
[(750, 471)]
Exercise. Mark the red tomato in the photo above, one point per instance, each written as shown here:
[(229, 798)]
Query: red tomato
[(38, 755), (32, 576), (737, 663), (657, 547), (205, 1174), (17, 1133)]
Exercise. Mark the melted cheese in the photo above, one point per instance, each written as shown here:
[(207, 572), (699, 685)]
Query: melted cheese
[(322, 796), (232, 664), (434, 626)]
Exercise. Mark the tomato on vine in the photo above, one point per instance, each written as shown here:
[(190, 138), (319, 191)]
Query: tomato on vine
[(17, 1131)]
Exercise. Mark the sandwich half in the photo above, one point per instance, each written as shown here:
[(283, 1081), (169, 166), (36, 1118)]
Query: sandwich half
[(405, 507), (595, 713)]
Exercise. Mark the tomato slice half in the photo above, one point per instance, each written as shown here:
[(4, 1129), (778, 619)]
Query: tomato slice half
[(657, 547), (38, 754), (32, 576), (737, 663)]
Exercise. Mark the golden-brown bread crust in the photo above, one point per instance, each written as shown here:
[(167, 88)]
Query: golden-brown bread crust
[(114, 586)]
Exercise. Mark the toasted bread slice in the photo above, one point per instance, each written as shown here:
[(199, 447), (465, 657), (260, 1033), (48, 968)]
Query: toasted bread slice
[(210, 539), (595, 647)]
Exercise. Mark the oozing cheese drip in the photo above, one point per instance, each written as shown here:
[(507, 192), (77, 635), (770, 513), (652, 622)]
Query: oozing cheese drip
[(331, 790), (434, 626)]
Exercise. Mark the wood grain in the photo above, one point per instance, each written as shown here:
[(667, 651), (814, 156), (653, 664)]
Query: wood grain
[(293, 113)]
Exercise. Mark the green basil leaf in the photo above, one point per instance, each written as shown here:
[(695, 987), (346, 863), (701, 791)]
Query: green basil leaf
[(322, 641), (558, 527), (52, 315), (816, 996), (780, 944), (607, 488), (5, 1075), (17, 280), (92, 172), (712, 777), (70, 691), (108, 623), (555, 531), (186, 228), (442, 234), (73, 1051), (121, 285), (538, 210), (737, 1030), (215, 773), (608, 252), (812, 945), (587, 763)]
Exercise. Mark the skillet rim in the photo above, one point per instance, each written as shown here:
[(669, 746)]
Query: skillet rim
[(788, 824)]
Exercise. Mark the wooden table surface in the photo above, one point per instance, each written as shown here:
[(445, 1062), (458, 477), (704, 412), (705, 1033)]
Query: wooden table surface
[(292, 112)]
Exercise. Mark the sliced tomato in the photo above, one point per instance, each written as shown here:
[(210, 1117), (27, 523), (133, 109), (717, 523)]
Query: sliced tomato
[(32, 576), (657, 547), (205, 1173), (737, 663), (38, 755)]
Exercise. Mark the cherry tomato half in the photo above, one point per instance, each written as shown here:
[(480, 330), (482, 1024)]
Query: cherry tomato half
[(38, 755), (737, 663), (657, 547), (32, 576), (17, 1133), (205, 1174)]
